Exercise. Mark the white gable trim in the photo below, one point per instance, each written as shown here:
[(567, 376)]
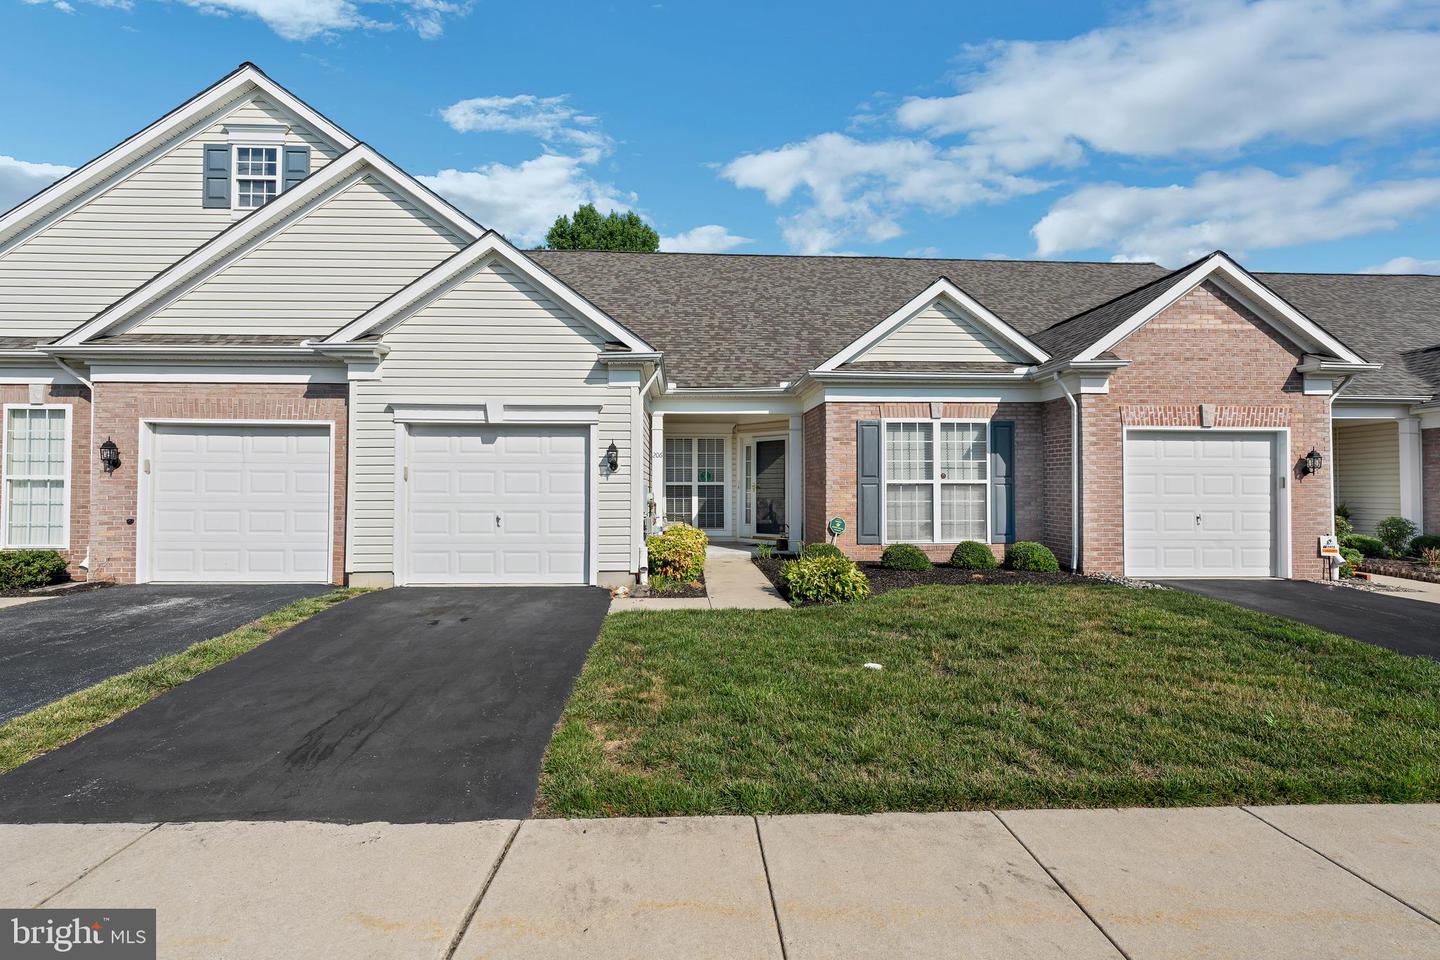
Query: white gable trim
[(82, 184), (1230, 276), (406, 301), (940, 288), (240, 237)]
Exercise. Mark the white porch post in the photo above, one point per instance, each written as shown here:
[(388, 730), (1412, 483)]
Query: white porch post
[(1412, 489), (657, 464), (795, 482)]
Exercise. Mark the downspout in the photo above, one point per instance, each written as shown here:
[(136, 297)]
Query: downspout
[(85, 563), (1074, 475), (645, 498), (1330, 417)]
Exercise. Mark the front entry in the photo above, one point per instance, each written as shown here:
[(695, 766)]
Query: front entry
[(769, 488)]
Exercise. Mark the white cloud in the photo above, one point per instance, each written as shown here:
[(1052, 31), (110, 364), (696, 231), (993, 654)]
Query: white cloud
[(21, 179), (1190, 78), (1405, 265), (1240, 210), (550, 119), (711, 238), (308, 19), (857, 189), (523, 200)]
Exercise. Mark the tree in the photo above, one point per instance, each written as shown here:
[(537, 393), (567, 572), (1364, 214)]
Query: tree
[(588, 230)]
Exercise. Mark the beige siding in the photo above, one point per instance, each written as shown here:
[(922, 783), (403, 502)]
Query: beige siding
[(321, 270), (61, 276), (942, 332), (493, 336), (1367, 473)]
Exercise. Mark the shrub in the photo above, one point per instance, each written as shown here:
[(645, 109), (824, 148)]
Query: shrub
[(678, 552), (1426, 541), (1352, 560), (823, 578), (821, 550), (1395, 533), (1028, 555), (973, 555), (1431, 557), (904, 556), (23, 569), (1342, 509), (1365, 546), (765, 550), (1343, 526)]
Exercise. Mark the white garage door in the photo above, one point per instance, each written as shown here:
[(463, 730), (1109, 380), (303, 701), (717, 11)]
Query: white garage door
[(239, 504), (1200, 504), (496, 504)]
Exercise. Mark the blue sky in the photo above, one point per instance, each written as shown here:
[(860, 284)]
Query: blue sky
[(1296, 135)]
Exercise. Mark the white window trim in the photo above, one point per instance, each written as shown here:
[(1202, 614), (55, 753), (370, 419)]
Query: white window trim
[(695, 483), (746, 497), (235, 177), (5, 477), (935, 482)]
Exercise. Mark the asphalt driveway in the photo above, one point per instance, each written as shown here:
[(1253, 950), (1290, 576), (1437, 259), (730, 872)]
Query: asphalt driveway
[(58, 646), (408, 705), (1383, 619)]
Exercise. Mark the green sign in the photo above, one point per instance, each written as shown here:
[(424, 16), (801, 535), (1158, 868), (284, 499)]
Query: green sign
[(836, 526)]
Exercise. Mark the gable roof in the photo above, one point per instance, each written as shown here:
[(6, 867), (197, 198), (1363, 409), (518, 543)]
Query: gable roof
[(243, 234), (375, 321), (1069, 337), (107, 169), (738, 320)]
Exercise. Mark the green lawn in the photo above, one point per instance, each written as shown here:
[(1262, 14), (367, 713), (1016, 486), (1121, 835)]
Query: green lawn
[(56, 724), (991, 696)]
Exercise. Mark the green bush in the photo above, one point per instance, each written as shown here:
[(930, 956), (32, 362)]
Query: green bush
[(1032, 556), (1365, 546), (973, 555), (23, 569), (823, 578), (1343, 526), (1395, 533), (904, 556), (678, 552), (821, 550), (1352, 560), (1426, 541)]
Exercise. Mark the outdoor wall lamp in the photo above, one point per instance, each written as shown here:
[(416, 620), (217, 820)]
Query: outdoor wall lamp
[(109, 455), (612, 458), (1311, 463)]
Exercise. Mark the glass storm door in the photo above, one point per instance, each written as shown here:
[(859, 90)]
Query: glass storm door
[(770, 488)]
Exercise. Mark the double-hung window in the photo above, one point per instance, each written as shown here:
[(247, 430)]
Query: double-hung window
[(36, 477), (937, 477), (257, 176), (695, 481)]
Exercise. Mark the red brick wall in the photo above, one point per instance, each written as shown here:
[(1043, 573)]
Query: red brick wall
[(814, 438), (838, 484), (1056, 424), (1430, 478), (1206, 348), (82, 456), (121, 407)]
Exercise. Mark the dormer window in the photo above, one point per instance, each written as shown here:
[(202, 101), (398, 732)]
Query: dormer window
[(257, 176)]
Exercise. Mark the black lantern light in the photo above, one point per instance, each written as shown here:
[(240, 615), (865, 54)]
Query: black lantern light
[(1312, 463), (612, 458), (109, 455)]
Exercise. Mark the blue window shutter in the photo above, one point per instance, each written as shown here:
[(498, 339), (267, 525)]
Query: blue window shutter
[(297, 165), (216, 186), (1002, 481), (867, 473)]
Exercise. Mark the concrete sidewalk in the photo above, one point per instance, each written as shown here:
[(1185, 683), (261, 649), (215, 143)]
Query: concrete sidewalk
[(1268, 882), (732, 582)]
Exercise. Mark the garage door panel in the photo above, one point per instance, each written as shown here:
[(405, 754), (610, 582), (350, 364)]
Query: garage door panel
[(1227, 482), (255, 497)]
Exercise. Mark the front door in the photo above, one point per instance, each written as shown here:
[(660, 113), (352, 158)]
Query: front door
[(770, 488)]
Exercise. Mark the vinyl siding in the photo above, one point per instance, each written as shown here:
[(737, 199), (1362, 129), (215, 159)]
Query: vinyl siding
[(322, 269), (1367, 473), (59, 277), (492, 336), (942, 332)]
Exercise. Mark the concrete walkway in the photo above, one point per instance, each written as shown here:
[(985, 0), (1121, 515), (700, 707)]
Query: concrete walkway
[(1307, 883), (732, 581)]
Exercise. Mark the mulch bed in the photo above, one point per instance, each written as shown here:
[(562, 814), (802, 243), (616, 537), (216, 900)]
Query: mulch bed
[(53, 590), (679, 591), (1400, 568), (883, 580)]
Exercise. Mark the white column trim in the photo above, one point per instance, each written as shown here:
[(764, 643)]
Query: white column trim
[(1412, 485), (795, 482), (657, 463)]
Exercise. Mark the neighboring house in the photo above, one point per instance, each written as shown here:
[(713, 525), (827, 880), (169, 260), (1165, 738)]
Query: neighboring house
[(309, 367)]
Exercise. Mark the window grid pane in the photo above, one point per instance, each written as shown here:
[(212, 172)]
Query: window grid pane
[(962, 512), (677, 504), (254, 193), (710, 460), (909, 452), (712, 507), (35, 477), (962, 451), (677, 461), (909, 512)]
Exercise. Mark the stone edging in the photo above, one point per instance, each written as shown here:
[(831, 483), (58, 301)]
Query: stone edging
[(1400, 568)]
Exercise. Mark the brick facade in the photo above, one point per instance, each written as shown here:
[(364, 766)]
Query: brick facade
[(1057, 423), (82, 456), (1430, 479), (814, 442), (836, 478), (121, 406), (1208, 348)]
